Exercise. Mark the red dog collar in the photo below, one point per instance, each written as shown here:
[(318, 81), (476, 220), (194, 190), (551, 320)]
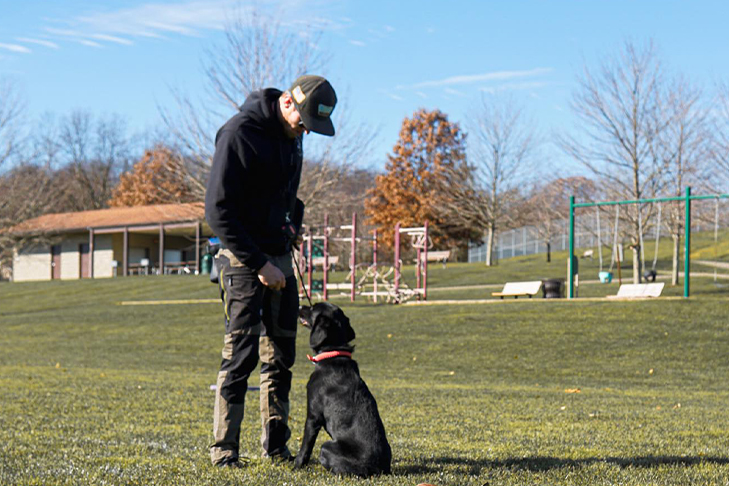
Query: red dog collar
[(327, 355)]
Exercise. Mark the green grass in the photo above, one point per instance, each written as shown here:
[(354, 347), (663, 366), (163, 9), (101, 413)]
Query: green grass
[(98, 393)]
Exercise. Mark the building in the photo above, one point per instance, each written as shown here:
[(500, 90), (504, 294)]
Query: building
[(157, 239)]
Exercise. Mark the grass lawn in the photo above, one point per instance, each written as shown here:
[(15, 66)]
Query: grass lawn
[(524, 392)]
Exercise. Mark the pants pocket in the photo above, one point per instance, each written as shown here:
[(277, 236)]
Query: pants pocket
[(281, 310), (242, 299)]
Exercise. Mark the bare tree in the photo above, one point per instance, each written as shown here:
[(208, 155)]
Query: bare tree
[(257, 52), (260, 51), (547, 207), (27, 192), (11, 113), (478, 196), (617, 107), (721, 141), (25, 188), (93, 153), (684, 148)]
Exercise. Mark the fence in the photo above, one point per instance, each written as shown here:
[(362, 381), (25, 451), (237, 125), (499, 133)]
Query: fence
[(526, 240)]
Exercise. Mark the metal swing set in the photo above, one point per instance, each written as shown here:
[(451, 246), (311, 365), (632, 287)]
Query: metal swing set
[(687, 199)]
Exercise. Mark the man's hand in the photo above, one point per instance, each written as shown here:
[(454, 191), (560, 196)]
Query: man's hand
[(271, 276)]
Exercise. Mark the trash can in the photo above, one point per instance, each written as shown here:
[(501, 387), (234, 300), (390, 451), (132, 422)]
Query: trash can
[(207, 263), (553, 288)]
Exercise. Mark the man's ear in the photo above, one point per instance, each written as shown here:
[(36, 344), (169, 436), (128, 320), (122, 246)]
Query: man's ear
[(305, 316)]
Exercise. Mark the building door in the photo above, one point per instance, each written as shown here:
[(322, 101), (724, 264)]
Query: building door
[(56, 262), (84, 267)]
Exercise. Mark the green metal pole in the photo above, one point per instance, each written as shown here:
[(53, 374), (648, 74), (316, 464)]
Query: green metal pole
[(687, 249), (571, 276)]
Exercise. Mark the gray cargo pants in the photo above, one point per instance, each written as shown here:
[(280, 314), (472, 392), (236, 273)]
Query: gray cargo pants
[(260, 323)]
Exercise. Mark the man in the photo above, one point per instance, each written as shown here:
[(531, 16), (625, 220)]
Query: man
[(251, 205)]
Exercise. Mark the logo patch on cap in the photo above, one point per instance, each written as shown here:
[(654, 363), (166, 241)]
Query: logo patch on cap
[(325, 110), (298, 94)]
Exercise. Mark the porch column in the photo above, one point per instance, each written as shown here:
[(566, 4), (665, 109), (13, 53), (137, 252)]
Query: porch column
[(161, 249), (91, 252), (197, 248), (125, 253)]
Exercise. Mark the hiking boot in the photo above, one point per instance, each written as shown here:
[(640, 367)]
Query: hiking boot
[(231, 462)]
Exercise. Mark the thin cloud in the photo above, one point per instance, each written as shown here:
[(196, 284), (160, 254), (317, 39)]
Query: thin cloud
[(111, 38), (514, 87), (152, 19), (476, 78), (187, 18), (40, 42), (89, 39), (15, 48), (89, 43), (357, 43), (391, 95), (455, 92)]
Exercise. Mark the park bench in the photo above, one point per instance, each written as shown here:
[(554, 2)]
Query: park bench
[(439, 256), (519, 289), (319, 261), (639, 291)]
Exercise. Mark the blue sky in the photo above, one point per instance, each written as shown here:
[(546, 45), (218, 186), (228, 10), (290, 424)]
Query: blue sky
[(389, 58)]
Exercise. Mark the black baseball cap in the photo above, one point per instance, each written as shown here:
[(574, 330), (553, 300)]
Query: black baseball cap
[(315, 100)]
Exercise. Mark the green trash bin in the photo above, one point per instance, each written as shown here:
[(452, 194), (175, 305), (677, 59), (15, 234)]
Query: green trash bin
[(207, 263)]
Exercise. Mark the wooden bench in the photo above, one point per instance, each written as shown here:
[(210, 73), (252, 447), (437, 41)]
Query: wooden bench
[(319, 261), (639, 291), (519, 289), (438, 256)]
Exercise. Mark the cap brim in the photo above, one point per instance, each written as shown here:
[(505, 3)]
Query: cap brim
[(321, 125)]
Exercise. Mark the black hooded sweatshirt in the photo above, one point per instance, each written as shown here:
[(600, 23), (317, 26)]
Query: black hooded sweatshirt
[(251, 195)]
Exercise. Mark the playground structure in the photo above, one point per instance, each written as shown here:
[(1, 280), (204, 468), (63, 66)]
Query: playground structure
[(385, 283), (617, 248)]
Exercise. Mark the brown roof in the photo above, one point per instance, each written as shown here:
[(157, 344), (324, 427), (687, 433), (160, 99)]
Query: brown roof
[(113, 217)]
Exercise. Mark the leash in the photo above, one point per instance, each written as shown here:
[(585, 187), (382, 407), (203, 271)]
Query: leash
[(301, 278)]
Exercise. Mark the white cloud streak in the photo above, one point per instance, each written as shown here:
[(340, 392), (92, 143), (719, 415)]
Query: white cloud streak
[(357, 43), (15, 48), (40, 42), (89, 43), (478, 78), (159, 20), (514, 87)]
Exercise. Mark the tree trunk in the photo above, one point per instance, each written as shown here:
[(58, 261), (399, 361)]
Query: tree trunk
[(636, 264), (549, 252), (676, 248), (490, 246)]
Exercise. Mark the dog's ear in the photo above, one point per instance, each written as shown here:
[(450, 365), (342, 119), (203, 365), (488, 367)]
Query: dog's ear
[(305, 316), (346, 328), (319, 334)]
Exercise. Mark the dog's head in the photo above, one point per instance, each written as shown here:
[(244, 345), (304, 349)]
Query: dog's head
[(329, 326)]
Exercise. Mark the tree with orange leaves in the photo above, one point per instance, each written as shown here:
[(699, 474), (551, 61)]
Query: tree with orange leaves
[(158, 178), (428, 145)]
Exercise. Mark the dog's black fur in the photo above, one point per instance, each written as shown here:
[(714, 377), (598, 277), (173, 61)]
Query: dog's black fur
[(339, 400)]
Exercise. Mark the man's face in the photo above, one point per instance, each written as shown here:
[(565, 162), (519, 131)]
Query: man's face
[(293, 125)]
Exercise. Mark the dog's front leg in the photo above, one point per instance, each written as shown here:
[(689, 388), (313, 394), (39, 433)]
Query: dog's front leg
[(311, 430)]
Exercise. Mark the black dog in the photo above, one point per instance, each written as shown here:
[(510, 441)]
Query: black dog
[(339, 400)]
